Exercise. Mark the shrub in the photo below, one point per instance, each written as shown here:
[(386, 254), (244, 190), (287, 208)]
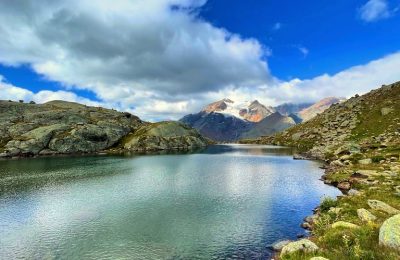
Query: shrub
[(328, 203)]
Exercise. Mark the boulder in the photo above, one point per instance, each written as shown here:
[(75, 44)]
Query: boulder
[(382, 206), (353, 192), (277, 246), (343, 224), (365, 215), (303, 245), (389, 233)]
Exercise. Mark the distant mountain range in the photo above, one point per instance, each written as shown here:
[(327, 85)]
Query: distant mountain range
[(226, 120)]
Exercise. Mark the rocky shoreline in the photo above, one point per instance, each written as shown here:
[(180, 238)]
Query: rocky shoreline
[(359, 141)]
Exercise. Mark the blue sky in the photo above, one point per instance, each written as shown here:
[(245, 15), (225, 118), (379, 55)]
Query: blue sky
[(332, 31), (161, 59)]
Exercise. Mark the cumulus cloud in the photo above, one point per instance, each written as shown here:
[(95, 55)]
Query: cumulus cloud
[(375, 10), (110, 46), (14, 93), (156, 58)]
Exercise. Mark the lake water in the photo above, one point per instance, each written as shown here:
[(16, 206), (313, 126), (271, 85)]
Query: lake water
[(226, 202)]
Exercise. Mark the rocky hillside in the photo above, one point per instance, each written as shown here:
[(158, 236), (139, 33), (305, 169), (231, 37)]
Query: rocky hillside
[(60, 127), (359, 140)]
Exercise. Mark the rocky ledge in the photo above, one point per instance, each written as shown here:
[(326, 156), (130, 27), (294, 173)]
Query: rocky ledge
[(60, 127)]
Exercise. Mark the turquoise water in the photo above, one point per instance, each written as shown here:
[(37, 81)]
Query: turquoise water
[(228, 201)]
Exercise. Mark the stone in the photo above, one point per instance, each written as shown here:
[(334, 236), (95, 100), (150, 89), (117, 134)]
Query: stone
[(365, 215), (386, 110), (303, 245), (353, 192), (345, 185), (335, 210), (318, 258), (382, 206), (365, 161), (277, 246), (344, 224), (389, 233)]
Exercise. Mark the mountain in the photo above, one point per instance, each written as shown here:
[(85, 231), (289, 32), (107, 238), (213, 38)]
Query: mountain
[(319, 107), (359, 140), (60, 127), (269, 125), (226, 120), (291, 108), (217, 126), (251, 111)]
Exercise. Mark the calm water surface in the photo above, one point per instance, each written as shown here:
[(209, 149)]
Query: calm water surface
[(226, 202)]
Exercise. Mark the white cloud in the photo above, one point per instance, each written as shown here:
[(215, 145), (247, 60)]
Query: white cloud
[(153, 45), (375, 10), (155, 58), (11, 92)]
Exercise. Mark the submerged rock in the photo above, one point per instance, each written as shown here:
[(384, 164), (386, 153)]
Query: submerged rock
[(389, 233), (303, 245)]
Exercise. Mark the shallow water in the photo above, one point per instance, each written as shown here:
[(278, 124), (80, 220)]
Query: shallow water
[(228, 201)]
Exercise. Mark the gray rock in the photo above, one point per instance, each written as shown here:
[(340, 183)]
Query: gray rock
[(386, 110), (277, 246), (365, 161), (303, 245), (382, 206), (344, 224), (389, 233), (365, 215)]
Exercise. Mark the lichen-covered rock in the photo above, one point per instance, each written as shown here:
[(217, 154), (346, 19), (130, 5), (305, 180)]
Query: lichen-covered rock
[(303, 245), (343, 224), (60, 127), (382, 206), (389, 233), (277, 246), (365, 215), (164, 136)]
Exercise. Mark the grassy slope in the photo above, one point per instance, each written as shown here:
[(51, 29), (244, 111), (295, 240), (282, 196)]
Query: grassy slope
[(378, 137)]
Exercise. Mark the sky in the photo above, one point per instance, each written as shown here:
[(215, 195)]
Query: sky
[(162, 59)]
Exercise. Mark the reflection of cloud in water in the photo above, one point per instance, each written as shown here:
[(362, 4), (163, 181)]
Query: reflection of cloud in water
[(216, 204)]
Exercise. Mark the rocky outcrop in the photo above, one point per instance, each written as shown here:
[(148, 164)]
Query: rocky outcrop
[(164, 136), (60, 127)]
